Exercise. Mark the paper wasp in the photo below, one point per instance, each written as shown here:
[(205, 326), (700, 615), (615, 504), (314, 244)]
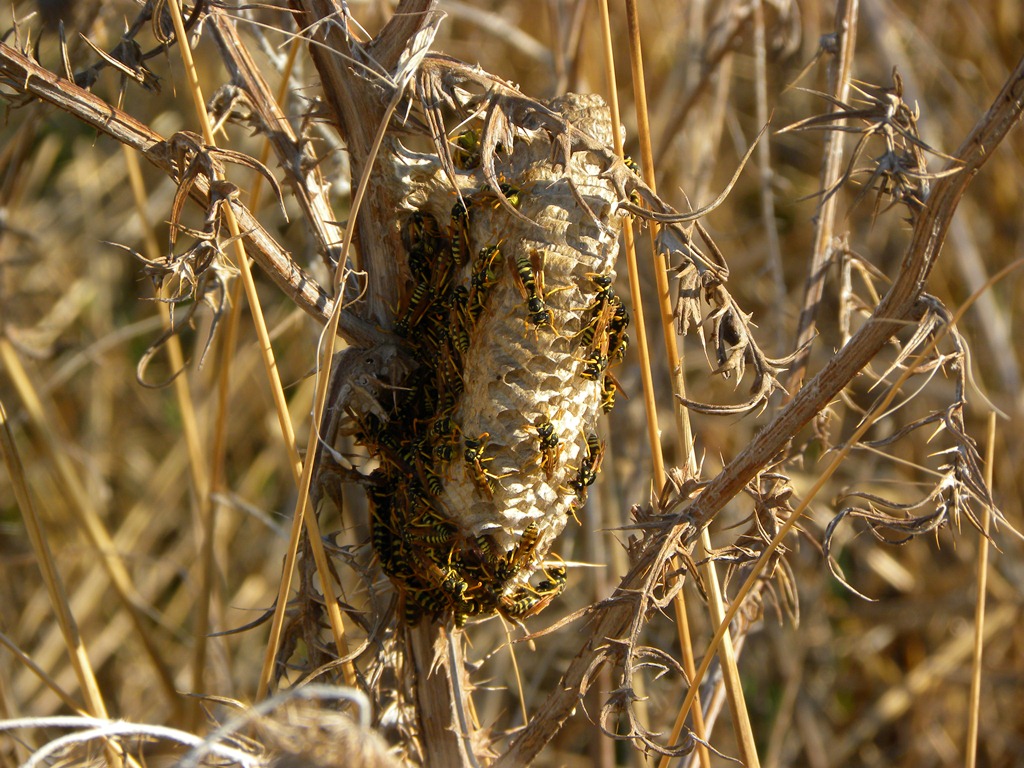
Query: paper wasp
[(631, 164), (466, 152), (460, 231), (423, 241), (445, 578), (604, 283), (434, 482), (586, 475), (609, 385), (594, 365), (527, 600), (529, 278), (460, 340), (485, 551), (472, 606), (432, 529), (512, 193), (520, 604), (459, 303), (444, 432), (485, 275), (426, 599), (485, 267), (420, 301), (555, 580), (412, 611), (523, 551), (550, 444), (475, 462), (618, 340)]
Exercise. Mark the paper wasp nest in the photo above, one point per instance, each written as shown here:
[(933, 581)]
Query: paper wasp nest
[(513, 320)]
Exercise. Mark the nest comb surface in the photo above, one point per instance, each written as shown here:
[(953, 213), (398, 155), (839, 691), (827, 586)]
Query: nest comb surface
[(514, 358)]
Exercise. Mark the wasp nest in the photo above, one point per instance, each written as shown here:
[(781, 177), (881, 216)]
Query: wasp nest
[(491, 444)]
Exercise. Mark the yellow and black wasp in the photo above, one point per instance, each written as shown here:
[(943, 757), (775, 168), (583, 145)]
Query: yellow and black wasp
[(484, 277), (527, 600), (550, 445), (460, 232), (466, 150), (529, 278), (476, 462), (425, 245), (586, 475)]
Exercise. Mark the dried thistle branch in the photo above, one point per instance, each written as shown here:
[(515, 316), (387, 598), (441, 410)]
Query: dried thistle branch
[(23, 75), (294, 153), (629, 605), (960, 488)]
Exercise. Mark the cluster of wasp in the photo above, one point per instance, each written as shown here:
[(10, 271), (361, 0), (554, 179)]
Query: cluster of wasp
[(604, 337), (440, 569)]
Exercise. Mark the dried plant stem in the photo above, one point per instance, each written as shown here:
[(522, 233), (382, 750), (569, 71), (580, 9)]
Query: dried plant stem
[(328, 338), (877, 410), (728, 655), (24, 75), (974, 708), (358, 114), (643, 353), (87, 515), (91, 695), (44, 677), (280, 404), (193, 442), (256, 188), (773, 254), (273, 377), (515, 670), (684, 436), (301, 167), (228, 345), (699, 724), (442, 701), (230, 334), (831, 169), (612, 619), (653, 431)]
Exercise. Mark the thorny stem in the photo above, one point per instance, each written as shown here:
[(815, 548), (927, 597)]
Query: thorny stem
[(218, 451), (877, 411), (636, 297), (302, 169), (612, 619), (361, 118), (24, 75), (301, 517), (684, 434)]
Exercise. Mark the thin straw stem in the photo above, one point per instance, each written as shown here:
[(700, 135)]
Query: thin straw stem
[(51, 575), (974, 708), (280, 404), (190, 426), (684, 435)]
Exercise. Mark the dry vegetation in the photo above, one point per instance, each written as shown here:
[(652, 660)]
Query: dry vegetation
[(829, 354)]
